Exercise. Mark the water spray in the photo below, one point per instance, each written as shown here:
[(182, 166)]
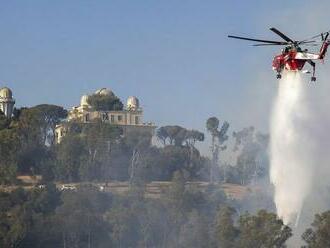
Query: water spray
[(290, 149)]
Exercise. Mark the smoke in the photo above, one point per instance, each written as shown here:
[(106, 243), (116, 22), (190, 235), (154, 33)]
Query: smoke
[(291, 147)]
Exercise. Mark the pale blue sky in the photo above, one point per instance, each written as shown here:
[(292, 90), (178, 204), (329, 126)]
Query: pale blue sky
[(173, 55)]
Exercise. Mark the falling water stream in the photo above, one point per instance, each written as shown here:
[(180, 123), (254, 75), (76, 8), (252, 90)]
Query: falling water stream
[(290, 150)]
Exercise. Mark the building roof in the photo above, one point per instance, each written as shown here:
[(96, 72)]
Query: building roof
[(6, 93), (133, 103)]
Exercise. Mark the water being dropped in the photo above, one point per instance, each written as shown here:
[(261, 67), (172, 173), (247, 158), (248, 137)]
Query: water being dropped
[(291, 151)]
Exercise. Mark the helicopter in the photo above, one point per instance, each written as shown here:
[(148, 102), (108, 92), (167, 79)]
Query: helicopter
[(293, 57)]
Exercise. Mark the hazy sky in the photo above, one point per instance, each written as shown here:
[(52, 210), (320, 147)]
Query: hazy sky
[(173, 55)]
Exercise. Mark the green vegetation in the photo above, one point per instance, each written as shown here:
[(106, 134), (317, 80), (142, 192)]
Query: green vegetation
[(319, 234), (105, 102), (87, 216), (100, 152)]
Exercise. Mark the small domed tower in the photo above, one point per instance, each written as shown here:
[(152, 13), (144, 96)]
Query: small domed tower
[(133, 103), (6, 102), (84, 101)]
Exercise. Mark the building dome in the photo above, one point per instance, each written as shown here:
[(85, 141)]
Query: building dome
[(6, 93), (84, 100), (132, 103), (104, 92)]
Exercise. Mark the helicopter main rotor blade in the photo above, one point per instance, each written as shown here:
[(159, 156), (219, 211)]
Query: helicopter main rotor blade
[(270, 44), (312, 45), (305, 43), (283, 36), (257, 40), (311, 38), (316, 36)]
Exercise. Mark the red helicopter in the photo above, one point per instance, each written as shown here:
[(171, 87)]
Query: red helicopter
[(293, 57)]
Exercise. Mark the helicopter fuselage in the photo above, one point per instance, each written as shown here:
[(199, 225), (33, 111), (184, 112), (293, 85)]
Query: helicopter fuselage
[(289, 62), (294, 59)]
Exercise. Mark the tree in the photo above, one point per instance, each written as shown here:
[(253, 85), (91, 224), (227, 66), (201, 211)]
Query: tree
[(318, 236), (40, 204), (99, 138), (153, 223), (138, 142), (33, 126), (194, 232), (15, 218), (29, 128), (9, 149), (18, 227), (212, 125), (138, 222), (192, 136), (252, 160), (37, 124), (179, 202), (226, 232), (105, 102), (162, 135), (70, 153), (50, 116), (125, 231), (45, 200), (177, 135), (4, 121), (263, 230), (181, 158), (80, 218), (243, 137), (218, 139), (174, 134)]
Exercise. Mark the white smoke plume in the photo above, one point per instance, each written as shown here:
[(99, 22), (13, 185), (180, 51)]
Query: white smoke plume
[(292, 147)]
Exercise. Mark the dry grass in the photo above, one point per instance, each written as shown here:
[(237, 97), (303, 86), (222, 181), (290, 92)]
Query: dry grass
[(26, 179)]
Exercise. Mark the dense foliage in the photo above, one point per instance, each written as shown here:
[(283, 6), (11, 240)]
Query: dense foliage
[(105, 102), (319, 234), (97, 152), (86, 217), (100, 152)]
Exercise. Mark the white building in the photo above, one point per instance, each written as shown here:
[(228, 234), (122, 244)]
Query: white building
[(7, 102), (130, 118)]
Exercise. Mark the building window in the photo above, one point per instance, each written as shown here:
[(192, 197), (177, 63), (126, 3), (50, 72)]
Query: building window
[(136, 120), (86, 117), (112, 118), (120, 118)]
